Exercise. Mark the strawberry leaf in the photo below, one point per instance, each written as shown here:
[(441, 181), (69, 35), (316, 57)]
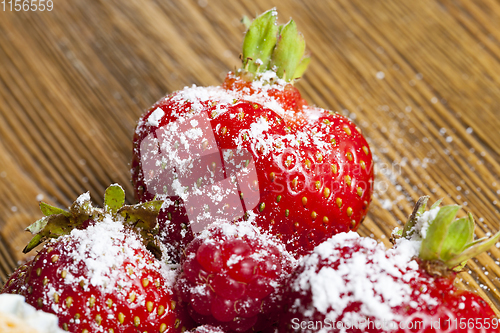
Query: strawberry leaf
[(48, 227), (289, 51), (247, 22), (474, 250), (50, 210), (268, 46), (260, 41), (142, 216), (114, 199), (459, 235), (301, 68), (446, 241), (82, 205), (57, 222), (34, 242), (436, 204), (436, 233), (38, 226)]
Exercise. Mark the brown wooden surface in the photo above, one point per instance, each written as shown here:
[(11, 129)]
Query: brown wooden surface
[(74, 81)]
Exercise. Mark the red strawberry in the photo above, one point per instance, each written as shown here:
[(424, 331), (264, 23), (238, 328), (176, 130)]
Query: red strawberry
[(254, 146), (100, 276), (15, 283), (353, 284), (231, 277)]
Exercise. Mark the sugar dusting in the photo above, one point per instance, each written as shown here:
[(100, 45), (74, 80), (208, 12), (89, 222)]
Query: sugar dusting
[(246, 230), (259, 92), (371, 275), (105, 251), (83, 198), (170, 170), (100, 248), (155, 117), (424, 221)]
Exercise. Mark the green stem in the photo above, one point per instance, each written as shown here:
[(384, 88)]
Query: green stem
[(447, 239), (268, 46)]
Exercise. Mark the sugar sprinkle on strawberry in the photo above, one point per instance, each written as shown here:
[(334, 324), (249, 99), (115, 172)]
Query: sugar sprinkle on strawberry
[(352, 284), (98, 269), (383, 269), (100, 249), (232, 276), (307, 172)]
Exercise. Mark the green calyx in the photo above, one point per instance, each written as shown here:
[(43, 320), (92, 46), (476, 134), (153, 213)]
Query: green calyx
[(268, 46), (58, 222), (445, 238)]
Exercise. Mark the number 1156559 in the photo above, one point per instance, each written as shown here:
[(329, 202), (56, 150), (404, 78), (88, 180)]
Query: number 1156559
[(26, 5)]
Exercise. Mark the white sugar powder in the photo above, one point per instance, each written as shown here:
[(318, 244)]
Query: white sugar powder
[(374, 277), (424, 220), (155, 117), (85, 197)]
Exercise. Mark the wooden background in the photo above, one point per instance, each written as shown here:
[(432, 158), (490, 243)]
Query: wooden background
[(420, 78)]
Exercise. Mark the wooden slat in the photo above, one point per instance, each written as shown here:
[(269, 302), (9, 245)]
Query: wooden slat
[(7, 262)]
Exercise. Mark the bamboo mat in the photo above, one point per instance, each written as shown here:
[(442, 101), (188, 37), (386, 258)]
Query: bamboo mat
[(420, 78)]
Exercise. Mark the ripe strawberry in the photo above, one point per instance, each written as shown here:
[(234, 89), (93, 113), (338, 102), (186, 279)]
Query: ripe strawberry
[(96, 273), (353, 284), (231, 277), (253, 146)]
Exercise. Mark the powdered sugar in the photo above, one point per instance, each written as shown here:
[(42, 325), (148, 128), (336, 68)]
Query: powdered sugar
[(234, 259), (324, 298), (424, 220), (408, 248), (243, 229), (102, 251), (155, 117), (83, 198), (376, 278), (257, 130)]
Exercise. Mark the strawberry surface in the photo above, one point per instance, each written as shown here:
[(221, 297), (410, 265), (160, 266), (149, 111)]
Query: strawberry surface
[(100, 269), (232, 276), (101, 278), (254, 149), (313, 168)]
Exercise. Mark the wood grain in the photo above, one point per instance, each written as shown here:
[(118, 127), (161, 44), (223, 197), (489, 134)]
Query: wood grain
[(420, 78)]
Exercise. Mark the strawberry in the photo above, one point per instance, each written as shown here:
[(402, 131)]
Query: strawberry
[(96, 273), (254, 149), (353, 284), (231, 277)]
